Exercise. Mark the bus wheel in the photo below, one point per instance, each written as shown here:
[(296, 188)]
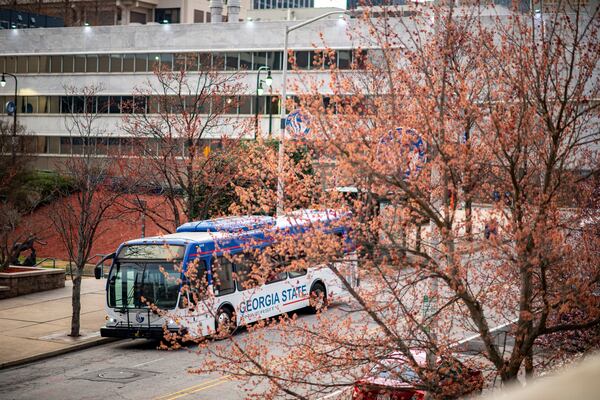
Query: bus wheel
[(318, 297), (225, 322)]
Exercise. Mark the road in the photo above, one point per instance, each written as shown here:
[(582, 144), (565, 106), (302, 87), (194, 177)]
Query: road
[(126, 369)]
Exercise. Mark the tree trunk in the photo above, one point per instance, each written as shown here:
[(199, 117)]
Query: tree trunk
[(76, 302), (529, 366), (469, 218)]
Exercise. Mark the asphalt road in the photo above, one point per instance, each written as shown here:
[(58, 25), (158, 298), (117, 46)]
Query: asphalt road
[(126, 369)]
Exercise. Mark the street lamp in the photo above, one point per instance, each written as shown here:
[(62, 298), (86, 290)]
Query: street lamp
[(289, 29), (14, 135), (259, 92)]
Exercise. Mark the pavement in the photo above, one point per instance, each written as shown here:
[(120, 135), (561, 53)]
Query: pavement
[(36, 326)]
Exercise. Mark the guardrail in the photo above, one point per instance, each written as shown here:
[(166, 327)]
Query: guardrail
[(37, 264)]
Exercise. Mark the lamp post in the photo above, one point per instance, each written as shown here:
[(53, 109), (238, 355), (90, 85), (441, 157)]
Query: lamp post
[(289, 29), (259, 92), (14, 135)]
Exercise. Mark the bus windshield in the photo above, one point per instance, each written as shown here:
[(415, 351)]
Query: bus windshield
[(156, 282)]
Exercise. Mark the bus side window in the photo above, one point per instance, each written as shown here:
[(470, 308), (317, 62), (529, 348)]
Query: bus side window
[(198, 281), (222, 274), (243, 274), (295, 274)]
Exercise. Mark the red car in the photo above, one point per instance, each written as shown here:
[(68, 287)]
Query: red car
[(396, 380)]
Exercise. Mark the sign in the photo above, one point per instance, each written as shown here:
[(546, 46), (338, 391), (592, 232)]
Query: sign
[(411, 144), (297, 123), (10, 107), (429, 307)]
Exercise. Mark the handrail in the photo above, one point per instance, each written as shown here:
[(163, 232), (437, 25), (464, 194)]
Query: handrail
[(47, 259)]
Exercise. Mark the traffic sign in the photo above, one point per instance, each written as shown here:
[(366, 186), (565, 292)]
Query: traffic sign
[(297, 123)]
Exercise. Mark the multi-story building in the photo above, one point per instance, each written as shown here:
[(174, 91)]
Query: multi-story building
[(121, 59), (113, 12)]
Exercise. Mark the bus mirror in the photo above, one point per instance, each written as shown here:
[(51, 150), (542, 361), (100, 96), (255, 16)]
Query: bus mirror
[(98, 269)]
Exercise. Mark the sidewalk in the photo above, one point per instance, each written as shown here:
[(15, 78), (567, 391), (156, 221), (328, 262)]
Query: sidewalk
[(36, 325)]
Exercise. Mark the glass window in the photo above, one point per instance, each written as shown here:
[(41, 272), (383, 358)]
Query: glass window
[(203, 104), (22, 65), (53, 104), (43, 104), (153, 105), (66, 104), (204, 61), (128, 62), (141, 62), (53, 145), (166, 61), (260, 60), (274, 60), (104, 63), (156, 282), (139, 104), (222, 275), (91, 63), (153, 61), (302, 59), (152, 252), (245, 105), (44, 64), (232, 61), (126, 104), (295, 274), (218, 61), (33, 65), (103, 104), (246, 61), (30, 105), (80, 63), (180, 62), (67, 64), (245, 277), (78, 104), (274, 102), (344, 59), (114, 105), (91, 104), (2, 64), (55, 64), (116, 62), (11, 64)]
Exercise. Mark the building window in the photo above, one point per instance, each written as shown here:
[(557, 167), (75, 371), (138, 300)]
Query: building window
[(167, 15)]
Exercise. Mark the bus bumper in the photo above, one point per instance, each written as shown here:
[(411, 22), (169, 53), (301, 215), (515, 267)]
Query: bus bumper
[(135, 332)]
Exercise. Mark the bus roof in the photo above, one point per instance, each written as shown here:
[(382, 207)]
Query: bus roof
[(220, 228)]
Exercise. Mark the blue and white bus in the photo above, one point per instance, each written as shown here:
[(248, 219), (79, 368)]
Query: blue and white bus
[(150, 290)]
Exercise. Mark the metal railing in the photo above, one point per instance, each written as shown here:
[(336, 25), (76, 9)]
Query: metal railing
[(37, 264)]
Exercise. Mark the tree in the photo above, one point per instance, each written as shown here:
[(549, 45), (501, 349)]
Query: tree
[(81, 218), (485, 102), (184, 109), (16, 199)]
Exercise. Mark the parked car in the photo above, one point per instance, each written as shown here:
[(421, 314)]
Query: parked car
[(394, 379)]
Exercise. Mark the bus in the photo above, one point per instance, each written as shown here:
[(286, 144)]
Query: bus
[(148, 286)]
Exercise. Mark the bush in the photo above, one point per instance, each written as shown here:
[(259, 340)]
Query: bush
[(34, 188)]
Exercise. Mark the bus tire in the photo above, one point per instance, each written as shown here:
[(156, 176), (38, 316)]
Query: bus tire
[(225, 322), (318, 297)]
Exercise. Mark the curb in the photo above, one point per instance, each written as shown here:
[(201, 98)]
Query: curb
[(69, 349)]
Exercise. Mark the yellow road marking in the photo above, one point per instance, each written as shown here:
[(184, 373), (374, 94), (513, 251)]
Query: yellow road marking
[(196, 388)]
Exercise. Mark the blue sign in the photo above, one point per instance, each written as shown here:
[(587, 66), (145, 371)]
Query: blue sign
[(297, 123), (11, 107), (412, 145)]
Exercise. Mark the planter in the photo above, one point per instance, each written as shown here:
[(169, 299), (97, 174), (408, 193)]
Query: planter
[(17, 281)]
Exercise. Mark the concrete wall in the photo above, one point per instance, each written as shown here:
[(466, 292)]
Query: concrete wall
[(32, 281)]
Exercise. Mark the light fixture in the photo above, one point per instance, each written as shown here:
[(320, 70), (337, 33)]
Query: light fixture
[(260, 90), (86, 23), (229, 100), (13, 26), (3, 81), (269, 79), (165, 21)]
